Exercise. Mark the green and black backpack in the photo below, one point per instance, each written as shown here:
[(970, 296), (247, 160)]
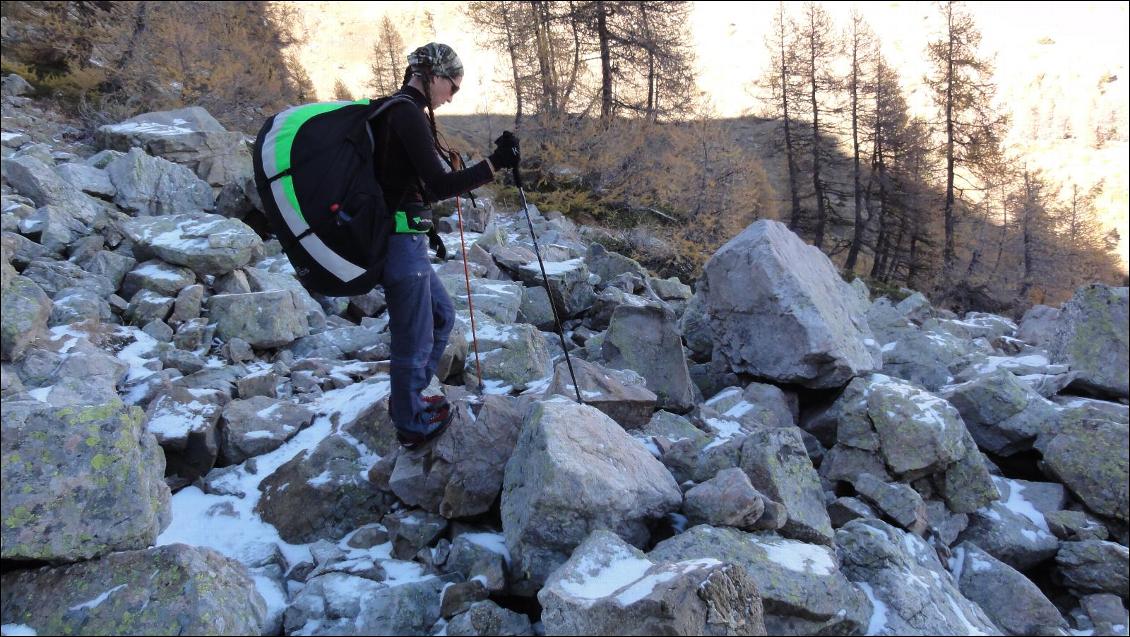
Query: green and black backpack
[(314, 172)]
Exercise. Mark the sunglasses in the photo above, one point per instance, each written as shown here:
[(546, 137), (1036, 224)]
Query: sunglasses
[(454, 86)]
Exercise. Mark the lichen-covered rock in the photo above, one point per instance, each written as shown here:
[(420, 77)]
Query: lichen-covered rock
[(1011, 600), (168, 590), (801, 586), (1091, 459), (608, 587), (912, 592), (646, 340), (106, 473), (1092, 336), (24, 316)]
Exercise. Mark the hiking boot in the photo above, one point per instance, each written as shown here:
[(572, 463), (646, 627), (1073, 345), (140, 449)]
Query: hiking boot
[(441, 418)]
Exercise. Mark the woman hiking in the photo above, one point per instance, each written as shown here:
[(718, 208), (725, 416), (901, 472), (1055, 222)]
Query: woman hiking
[(407, 161)]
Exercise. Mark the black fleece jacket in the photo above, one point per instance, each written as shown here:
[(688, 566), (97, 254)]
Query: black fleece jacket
[(405, 156)]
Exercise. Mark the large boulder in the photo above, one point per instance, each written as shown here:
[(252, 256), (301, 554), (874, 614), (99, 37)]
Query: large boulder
[(205, 243), (320, 493), (510, 355), (574, 470), (912, 592), (168, 590), (778, 465), (1094, 338), (608, 587), (629, 404), (263, 319), (801, 586), (1009, 598), (1038, 325), (259, 425), (779, 310), (23, 316), (147, 186), (1091, 459), (79, 482), (188, 136), (185, 427), (43, 185), (646, 340), (462, 474), (1095, 566), (1003, 414)]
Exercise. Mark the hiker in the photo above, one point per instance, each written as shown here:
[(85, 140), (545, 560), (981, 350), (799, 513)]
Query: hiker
[(407, 161)]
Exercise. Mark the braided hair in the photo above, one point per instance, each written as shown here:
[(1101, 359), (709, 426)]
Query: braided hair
[(425, 74)]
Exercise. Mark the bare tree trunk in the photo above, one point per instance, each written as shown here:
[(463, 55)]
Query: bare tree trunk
[(605, 63), (512, 49), (860, 225), (949, 252), (817, 183)]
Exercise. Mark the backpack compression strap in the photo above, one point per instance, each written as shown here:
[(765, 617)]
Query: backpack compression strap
[(276, 157)]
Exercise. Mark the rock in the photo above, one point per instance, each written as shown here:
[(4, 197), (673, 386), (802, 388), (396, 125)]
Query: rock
[(39, 182), (1003, 415), (338, 603), (646, 340), (482, 556), (91, 180), (1095, 566), (630, 405), (1075, 526), (205, 243), (188, 136), (185, 427), (779, 310), (608, 587), (463, 473), (168, 590), (15, 85), (844, 510), (912, 593), (411, 530), (320, 493), (72, 305), (264, 281), (487, 618), (800, 584), (115, 500), (150, 186), (111, 265), (777, 464), (55, 276), (568, 282), (727, 499), (513, 355), (156, 276), (966, 485), (259, 425), (147, 306), (535, 308), (1038, 325), (925, 358), (574, 470), (1009, 536), (897, 501), (609, 265), (263, 319), (1092, 460), (1011, 600), (499, 300), (694, 325), (1092, 337), (23, 316), (1106, 612)]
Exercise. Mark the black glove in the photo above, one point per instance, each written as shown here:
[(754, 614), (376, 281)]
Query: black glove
[(506, 153), (437, 244)]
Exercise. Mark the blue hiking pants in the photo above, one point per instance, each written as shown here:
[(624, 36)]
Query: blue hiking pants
[(420, 319)]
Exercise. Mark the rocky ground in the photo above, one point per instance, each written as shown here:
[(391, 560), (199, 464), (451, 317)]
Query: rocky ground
[(192, 443)]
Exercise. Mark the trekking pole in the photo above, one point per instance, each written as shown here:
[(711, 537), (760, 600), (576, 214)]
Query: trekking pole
[(470, 303), (545, 279)]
